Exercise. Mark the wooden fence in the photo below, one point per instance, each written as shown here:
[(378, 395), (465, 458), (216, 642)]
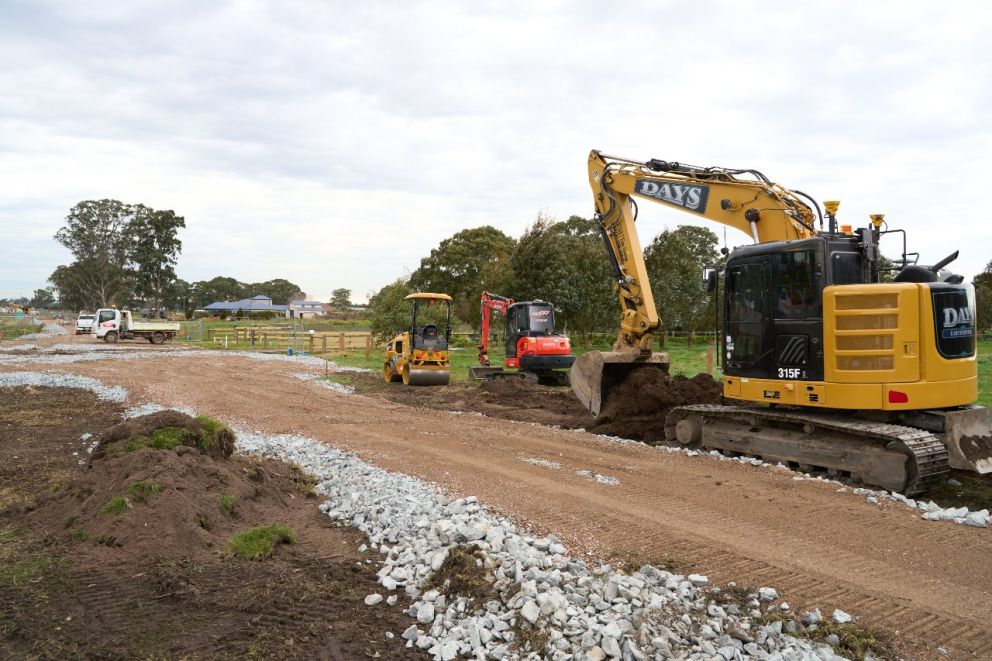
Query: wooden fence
[(281, 338)]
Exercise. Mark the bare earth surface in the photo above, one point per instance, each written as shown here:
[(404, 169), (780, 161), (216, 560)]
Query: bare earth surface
[(929, 581)]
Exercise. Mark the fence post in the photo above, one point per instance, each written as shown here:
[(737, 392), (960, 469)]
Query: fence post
[(323, 344), (311, 344), (368, 345), (341, 342)]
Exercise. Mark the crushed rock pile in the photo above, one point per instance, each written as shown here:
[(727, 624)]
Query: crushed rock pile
[(562, 606), (48, 330)]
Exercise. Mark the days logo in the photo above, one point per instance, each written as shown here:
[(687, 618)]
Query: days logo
[(688, 196), (956, 316), (957, 323)]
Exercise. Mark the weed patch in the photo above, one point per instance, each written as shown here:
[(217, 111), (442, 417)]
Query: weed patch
[(856, 640), (527, 637), (115, 505), (167, 438), (462, 573), (258, 543), (226, 503), (140, 491)]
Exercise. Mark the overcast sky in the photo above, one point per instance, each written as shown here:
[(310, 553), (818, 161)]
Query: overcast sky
[(336, 143)]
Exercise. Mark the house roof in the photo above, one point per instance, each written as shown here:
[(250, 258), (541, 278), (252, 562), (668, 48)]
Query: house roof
[(305, 303), (254, 304)]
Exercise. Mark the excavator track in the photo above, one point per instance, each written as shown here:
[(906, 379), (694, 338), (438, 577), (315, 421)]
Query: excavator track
[(895, 457)]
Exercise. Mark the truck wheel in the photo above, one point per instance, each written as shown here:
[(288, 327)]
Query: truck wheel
[(110, 337), (157, 337)]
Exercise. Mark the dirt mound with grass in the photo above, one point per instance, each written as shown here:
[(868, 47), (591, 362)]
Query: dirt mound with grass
[(164, 486), (165, 545), (636, 407), (166, 430)]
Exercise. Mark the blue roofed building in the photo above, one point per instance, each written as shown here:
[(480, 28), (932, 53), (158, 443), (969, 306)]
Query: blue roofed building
[(255, 304)]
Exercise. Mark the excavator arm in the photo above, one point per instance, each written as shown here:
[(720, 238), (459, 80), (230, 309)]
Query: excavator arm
[(742, 199), (490, 303), (764, 210)]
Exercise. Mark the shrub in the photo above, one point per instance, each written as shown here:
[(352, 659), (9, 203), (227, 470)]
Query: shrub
[(140, 491), (226, 503)]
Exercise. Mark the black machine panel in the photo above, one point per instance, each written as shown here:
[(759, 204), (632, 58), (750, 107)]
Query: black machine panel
[(773, 314)]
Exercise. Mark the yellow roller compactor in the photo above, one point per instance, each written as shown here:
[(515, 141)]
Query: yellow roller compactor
[(833, 368), (419, 355)]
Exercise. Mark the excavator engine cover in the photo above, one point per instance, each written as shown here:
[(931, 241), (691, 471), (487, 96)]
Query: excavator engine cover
[(595, 373)]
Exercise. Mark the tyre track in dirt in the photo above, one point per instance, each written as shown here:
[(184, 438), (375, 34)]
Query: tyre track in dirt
[(929, 581)]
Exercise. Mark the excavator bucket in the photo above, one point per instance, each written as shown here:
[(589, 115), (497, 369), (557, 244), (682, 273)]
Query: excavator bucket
[(595, 373), (968, 437)]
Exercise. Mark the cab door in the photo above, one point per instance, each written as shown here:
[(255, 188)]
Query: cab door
[(748, 315)]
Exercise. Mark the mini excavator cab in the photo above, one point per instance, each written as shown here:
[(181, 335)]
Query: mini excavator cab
[(419, 355)]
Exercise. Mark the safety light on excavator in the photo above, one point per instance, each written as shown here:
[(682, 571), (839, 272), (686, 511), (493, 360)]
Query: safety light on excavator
[(846, 229), (877, 219), (898, 397)]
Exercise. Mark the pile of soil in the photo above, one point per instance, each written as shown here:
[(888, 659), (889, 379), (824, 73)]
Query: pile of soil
[(510, 399), (636, 407), (130, 556)]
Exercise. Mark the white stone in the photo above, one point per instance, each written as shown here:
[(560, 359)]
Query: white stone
[(530, 611), (698, 579), (425, 614), (767, 594), (840, 617), (373, 599)]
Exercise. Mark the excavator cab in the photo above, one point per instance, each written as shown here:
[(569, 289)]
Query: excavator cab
[(419, 355)]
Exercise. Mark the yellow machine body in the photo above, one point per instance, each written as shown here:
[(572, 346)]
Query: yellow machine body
[(880, 353), (419, 355)]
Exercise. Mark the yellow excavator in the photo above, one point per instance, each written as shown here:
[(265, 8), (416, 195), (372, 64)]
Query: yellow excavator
[(419, 355), (834, 369)]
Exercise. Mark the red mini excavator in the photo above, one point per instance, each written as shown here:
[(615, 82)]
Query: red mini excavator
[(533, 348)]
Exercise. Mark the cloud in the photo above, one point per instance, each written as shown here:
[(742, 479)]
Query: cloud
[(334, 144)]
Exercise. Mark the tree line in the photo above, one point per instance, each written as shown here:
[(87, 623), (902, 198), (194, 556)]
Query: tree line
[(564, 262), (126, 254)]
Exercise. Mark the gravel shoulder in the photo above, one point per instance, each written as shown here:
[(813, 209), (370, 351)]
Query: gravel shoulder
[(730, 521)]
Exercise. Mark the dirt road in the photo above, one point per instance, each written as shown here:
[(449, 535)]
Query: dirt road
[(931, 582)]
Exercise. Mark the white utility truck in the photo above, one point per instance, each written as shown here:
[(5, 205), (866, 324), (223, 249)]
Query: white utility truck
[(84, 324), (112, 324)]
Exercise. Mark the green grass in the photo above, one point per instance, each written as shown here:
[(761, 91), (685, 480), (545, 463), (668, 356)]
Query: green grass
[(985, 372), (258, 543), (226, 503), (39, 568), (684, 359), (167, 438), (115, 505), (139, 491)]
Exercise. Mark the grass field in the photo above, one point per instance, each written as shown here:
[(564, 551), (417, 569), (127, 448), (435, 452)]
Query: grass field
[(685, 360)]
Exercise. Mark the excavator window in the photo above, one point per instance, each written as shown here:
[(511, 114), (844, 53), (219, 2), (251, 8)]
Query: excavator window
[(542, 320), (796, 291), (747, 309), (845, 268)]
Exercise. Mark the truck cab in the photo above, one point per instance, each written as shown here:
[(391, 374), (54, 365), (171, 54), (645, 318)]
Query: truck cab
[(112, 325)]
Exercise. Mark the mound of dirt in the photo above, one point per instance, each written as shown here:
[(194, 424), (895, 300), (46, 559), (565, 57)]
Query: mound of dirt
[(521, 394), (149, 503), (131, 556), (165, 430), (636, 407)]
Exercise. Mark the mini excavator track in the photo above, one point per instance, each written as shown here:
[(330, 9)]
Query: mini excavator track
[(894, 457)]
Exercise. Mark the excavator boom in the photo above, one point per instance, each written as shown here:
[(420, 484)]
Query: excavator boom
[(744, 199)]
